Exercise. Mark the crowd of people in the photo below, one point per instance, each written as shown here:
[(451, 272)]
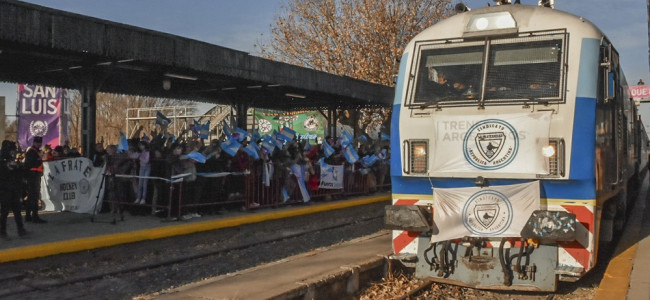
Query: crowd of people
[(139, 170)]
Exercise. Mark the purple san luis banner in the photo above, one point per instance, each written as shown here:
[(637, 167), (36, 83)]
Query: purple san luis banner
[(39, 114)]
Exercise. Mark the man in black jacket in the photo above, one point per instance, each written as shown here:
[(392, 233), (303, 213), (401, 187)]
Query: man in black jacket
[(34, 166), (11, 175)]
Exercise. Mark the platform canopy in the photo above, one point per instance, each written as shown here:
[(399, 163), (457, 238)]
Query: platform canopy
[(45, 46)]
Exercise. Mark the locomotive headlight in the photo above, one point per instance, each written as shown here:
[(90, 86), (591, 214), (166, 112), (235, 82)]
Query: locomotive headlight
[(419, 156), (491, 21), (420, 150), (548, 151)]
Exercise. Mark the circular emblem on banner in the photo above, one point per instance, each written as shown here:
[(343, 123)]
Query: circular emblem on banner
[(491, 144), (487, 213), (38, 128), (265, 126), (311, 123), (84, 186)]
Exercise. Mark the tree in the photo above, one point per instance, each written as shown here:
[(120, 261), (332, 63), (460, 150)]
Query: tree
[(111, 114), (362, 39)]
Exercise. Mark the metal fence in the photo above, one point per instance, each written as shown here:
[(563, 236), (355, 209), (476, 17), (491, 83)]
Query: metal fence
[(178, 194)]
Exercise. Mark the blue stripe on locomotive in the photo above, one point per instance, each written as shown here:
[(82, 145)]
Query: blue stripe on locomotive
[(581, 184), (395, 149)]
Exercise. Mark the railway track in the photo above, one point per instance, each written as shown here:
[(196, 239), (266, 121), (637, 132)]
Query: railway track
[(143, 268)]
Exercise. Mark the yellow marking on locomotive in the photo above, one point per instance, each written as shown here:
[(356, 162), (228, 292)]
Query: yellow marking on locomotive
[(543, 201)]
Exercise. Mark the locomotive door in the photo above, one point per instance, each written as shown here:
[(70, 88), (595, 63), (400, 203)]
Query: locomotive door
[(608, 130)]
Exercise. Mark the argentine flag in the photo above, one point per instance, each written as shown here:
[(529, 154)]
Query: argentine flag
[(240, 134), (346, 137), (231, 146), (350, 154), (161, 119), (287, 134), (327, 149), (196, 156), (267, 144), (251, 149), (204, 130), (226, 128)]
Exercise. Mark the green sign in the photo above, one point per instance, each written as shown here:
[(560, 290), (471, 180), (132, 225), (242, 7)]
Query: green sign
[(307, 124)]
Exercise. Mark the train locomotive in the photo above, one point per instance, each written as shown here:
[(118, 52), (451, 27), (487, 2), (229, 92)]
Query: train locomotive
[(516, 148)]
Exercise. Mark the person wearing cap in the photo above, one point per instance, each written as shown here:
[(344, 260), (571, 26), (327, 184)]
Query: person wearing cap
[(34, 166)]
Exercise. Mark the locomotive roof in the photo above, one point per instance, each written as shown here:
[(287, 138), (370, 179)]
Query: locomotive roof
[(528, 18)]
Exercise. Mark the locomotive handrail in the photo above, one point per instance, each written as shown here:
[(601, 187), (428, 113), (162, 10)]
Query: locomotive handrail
[(405, 161)]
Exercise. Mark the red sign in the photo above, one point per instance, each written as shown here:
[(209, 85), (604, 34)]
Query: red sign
[(638, 92)]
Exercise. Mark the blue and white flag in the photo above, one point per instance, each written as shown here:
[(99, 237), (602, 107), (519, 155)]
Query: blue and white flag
[(123, 145), (350, 154), (251, 149), (385, 137), (240, 134), (226, 128), (327, 149), (162, 120), (346, 138), (204, 130), (369, 160), (256, 136), (286, 134), (196, 156), (276, 142), (363, 138), (195, 126), (267, 144), (231, 146)]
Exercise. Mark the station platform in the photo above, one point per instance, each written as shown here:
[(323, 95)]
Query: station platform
[(68, 232), (626, 276)]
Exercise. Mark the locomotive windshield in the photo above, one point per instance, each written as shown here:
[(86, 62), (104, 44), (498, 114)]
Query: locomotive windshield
[(515, 70)]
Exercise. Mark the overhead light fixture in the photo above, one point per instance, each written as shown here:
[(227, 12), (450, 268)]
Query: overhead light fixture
[(273, 85), (172, 75), (167, 84), (229, 89), (491, 21), (254, 87), (295, 95), (125, 60)]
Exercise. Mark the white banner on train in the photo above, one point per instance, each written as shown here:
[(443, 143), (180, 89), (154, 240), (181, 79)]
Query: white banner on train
[(72, 184), (508, 143), (497, 211)]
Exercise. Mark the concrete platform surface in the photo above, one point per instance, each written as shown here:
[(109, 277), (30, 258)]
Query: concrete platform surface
[(68, 232), (284, 276)]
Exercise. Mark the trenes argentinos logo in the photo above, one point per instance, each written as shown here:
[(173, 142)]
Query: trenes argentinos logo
[(490, 144), (487, 213)]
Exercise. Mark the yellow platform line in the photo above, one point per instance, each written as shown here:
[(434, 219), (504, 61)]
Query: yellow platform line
[(89, 243), (616, 281)]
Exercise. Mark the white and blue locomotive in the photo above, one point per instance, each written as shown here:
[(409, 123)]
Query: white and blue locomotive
[(515, 143)]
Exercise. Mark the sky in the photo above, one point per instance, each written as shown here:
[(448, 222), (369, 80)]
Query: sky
[(240, 24)]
